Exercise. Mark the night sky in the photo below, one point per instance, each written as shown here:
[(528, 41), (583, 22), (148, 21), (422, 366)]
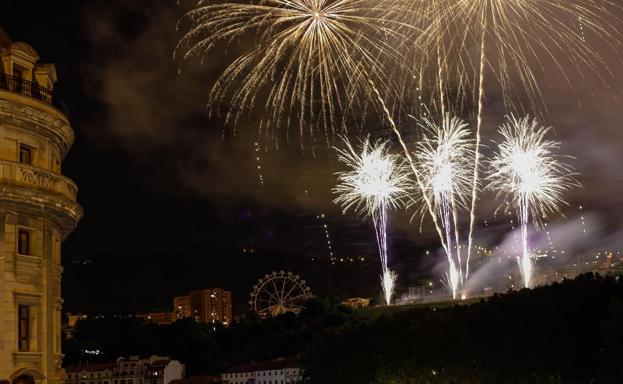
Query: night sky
[(172, 198)]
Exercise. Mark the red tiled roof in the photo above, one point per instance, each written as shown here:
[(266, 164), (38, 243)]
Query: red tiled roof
[(90, 367)]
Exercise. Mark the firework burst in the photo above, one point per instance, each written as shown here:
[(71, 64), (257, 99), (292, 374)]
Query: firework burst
[(307, 62), (511, 40), (527, 173), (444, 158), (375, 182), (514, 39)]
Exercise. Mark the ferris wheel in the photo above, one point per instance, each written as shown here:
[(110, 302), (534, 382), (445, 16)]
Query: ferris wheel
[(277, 293)]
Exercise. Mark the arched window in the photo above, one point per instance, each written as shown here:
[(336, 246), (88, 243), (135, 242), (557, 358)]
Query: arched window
[(24, 379)]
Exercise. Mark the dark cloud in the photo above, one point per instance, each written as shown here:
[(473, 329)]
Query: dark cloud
[(152, 108)]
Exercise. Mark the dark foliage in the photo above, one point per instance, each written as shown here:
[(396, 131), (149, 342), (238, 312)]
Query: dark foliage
[(570, 332), (203, 348)]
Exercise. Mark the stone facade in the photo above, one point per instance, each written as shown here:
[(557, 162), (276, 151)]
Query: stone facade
[(132, 370), (278, 371), (38, 210)]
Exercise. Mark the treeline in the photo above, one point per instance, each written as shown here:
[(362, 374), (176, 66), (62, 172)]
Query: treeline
[(571, 332), (205, 349)]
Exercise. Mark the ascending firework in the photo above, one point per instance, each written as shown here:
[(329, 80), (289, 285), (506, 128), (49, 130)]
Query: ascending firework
[(306, 61), (515, 39), (376, 182), (444, 158), (527, 172)]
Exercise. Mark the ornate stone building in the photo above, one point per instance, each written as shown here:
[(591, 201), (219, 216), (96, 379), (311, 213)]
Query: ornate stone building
[(38, 209)]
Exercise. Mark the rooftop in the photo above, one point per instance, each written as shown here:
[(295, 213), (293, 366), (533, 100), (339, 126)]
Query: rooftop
[(198, 380), (90, 367), (271, 365)]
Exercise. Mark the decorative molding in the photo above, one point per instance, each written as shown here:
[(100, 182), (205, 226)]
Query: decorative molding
[(58, 361), (25, 48), (35, 177), (41, 118), (27, 357), (27, 298), (31, 190), (28, 269)]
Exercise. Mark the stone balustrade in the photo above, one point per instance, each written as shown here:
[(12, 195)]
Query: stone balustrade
[(23, 175)]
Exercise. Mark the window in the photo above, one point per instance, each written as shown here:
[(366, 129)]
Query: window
[(25, 154), (23, 331), (17, 74), (23, 242)]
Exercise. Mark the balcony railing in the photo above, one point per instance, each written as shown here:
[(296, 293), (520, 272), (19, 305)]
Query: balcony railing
[(12, 173), (26, 88)]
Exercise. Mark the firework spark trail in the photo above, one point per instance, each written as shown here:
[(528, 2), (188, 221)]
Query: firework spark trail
[(407, 154), (475, 180), (525, 265), (375, 182), (454, 274), (516, 38), (526, 171), (312, 57), (388, 277), (443, 158)]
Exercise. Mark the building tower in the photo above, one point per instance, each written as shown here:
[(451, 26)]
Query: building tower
[(38, 209), (211, 305)]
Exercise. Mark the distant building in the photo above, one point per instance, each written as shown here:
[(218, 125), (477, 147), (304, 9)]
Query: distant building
[(132, 370), (356, 302), (162, 370), (214, 379), (279, 371), (73, 318), (160, 318), (211, 305), (69, 329), (38, 210), (91, 374), (181, 307)]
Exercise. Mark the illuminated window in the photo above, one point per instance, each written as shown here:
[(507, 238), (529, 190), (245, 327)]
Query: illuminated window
[(23, 331), (23, 242)]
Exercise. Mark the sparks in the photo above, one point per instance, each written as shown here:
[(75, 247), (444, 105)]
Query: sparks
[(443, 158), (375, 182), (526, 171), (309, 63), (515, 40)]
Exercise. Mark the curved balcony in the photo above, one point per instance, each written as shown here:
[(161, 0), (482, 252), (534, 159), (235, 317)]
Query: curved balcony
[(32, 177), (39, 191), (27, 88), (26, 104)]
